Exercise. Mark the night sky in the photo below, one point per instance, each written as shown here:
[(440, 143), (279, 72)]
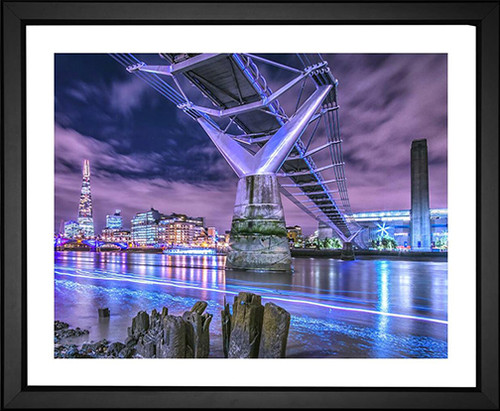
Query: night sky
[(144, 152)]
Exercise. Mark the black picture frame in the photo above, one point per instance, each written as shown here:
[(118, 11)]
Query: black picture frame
[(16, 15)]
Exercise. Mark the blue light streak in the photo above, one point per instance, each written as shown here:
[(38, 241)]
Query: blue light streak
[(78, 273)]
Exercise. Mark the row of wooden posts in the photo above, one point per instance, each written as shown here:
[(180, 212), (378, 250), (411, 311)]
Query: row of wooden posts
[(250, 331)]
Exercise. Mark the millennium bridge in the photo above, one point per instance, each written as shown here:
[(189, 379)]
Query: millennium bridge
[(285, 141)]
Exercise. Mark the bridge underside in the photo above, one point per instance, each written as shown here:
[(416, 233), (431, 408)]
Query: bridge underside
[(263, 143)]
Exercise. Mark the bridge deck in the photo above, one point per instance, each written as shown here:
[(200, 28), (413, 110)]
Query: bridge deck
[(233, 81)]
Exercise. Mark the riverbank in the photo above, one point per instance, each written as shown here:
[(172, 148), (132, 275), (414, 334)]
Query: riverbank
[(369, 254), (249, 330), (337, 307)]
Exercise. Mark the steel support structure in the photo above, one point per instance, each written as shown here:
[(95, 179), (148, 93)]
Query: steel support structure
[(263, 143)]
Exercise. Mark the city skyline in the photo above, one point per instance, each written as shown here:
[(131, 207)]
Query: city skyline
[(175, 168)]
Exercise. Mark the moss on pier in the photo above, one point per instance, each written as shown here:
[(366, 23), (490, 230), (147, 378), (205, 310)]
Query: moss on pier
[(245, 227)]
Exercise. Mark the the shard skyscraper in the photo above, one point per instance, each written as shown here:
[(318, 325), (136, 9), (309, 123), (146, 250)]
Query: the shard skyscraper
[(85, 220)]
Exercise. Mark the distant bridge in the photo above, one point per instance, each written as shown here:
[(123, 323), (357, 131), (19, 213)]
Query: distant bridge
[(261, 132), (92, 244)]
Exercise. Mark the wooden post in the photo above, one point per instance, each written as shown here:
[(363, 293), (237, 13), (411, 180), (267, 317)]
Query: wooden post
[(246, 326), (197, 331), (173, 341), (140, 324), (199, 307), (275, 327), (225, 315), (103, 312), (148, 341)]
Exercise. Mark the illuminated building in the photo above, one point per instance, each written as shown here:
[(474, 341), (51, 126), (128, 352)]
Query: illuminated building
[(212, 232), (200, 235), (396, 224), (294, 233), (180, 229), (85, 220), (212, 236), (176, 233), (197, 221), (114, 221), (116, 236), (71, 229), (145, 228), (153, 228)]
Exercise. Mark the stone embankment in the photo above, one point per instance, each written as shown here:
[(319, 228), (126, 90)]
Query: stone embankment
[(369, 254), (250, 331)]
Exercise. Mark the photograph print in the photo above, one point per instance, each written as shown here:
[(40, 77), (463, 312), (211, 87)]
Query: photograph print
[(250, 206)]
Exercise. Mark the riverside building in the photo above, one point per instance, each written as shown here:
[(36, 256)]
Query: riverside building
[(171, 232), (396, 224), (144, 228), (114, 221), (116, 236), (71, 229), (153, 228)]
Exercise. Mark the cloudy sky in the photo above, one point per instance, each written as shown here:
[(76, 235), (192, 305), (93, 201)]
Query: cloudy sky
[(144, 152)]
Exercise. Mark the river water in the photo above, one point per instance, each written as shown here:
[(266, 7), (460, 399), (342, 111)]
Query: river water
[(346, 309)]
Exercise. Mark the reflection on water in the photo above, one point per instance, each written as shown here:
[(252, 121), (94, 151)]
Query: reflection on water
[(362, 308)]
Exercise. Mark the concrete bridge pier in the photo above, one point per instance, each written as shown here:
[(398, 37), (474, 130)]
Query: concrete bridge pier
[(347, 253), (258, 231)]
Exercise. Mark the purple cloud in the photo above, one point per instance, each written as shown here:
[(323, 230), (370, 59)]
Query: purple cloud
[(158, 157)]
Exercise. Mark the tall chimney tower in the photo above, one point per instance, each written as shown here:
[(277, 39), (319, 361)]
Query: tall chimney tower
[(420, 222)]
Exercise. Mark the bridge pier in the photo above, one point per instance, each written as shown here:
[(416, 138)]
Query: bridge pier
[(347, 253), (258, 231)]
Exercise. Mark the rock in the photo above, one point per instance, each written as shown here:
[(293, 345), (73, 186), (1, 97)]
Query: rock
[(275, 327), (59, 325), (246, 326), (145, 348), (127, 352), (115, 348), (62, 331), (95, 349), (130, 341), (103, 312)]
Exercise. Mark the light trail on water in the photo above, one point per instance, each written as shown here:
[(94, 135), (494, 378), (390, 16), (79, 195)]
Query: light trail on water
[(113, 276)]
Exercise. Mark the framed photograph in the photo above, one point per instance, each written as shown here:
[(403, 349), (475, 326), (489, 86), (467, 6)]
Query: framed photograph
[(250, 205)]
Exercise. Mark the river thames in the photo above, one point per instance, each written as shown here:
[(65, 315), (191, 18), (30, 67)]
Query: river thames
[(367, 308)]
